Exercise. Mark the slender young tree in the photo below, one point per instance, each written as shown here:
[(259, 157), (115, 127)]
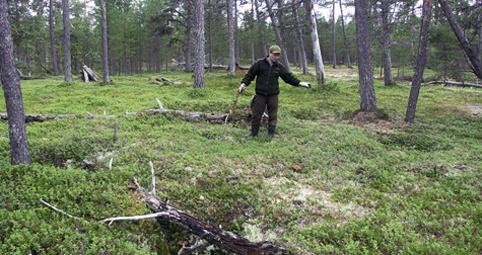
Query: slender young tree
[(53, 44), (260, 22), (231, 39), (12, 93), (189, 35), (320, 68), (198, 32), (420, 61), (368, 101), (333, 33), (67, 55), (345, 43), (105, 42), (301, 41), (277, 32), (386, 41)]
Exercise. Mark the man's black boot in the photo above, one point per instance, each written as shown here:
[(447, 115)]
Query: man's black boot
[(254, 129), (271, 131)]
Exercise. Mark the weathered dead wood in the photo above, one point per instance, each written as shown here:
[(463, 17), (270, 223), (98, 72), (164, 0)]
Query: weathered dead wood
[(457, 84), (214, 235), (88, 75), (159, 80), (50, 117)]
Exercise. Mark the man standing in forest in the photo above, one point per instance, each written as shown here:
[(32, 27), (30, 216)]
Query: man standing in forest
[(267, 71)]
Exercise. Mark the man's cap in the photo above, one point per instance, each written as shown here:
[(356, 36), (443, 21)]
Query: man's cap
[(274, 49)]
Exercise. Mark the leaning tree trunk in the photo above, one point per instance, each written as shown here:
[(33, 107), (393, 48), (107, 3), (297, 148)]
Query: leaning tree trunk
[(474, 61), (12, 93), (260, 22), (198, 32), (301, 41), (387, 56), (231, 39), (279, 38), (67, 55), (105, 43), (420, 62), (333, 36), (368, 101), (320, 68), (348, 60), (53, 44)]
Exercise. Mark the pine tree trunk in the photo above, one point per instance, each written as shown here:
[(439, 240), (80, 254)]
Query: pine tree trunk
[(479, 18), (420, 62), (345, 43), (105, 43), (365, 70), (231, 39), (198, 33), (387, 56), (210, 35), (301, 42), (474, 61), (236, 32), (189, 36), (53, 44), (319, 66), (333, 38), (253, 54), (67, 55), (12, 93), (260, 22), (279, 38)]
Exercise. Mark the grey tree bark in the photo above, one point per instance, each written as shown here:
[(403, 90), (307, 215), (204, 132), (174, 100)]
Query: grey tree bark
[(319, 66), (210, 35), (333, 36), (260, 21), (67, 55), (231, 39), (105, 42), (277, 32), (12, 93), (301, 41), (189, 36), (253, 35), (53, 44), (368, 101), (420, 62), (198, 32), (387, 56), (236, 33), (474, 62), (345, 43), (479, 19)]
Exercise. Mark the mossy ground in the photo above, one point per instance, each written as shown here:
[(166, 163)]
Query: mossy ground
[(363, 188)]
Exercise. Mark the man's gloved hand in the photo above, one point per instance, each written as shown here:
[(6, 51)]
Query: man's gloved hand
[(305, 85), (241, 88)]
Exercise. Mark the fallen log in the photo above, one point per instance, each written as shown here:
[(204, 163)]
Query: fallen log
[(212, 117), (49, 117), (87, 74), (159, 80), (221, 238), (457, 84)]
